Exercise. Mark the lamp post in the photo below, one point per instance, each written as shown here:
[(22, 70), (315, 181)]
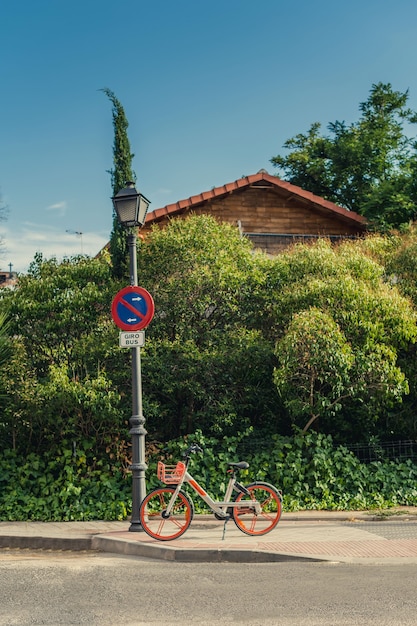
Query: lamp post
[(131, 208)]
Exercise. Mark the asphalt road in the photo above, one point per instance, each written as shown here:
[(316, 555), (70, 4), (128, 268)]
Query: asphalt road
[(104, 590)]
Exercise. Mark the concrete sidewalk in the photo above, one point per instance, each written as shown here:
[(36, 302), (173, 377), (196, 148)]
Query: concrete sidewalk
[(307, 535)]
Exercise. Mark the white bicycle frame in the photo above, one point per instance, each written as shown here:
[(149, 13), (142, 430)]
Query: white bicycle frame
[(215, 506)]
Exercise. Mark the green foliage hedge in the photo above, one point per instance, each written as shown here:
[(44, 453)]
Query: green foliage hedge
[(67, 487), (309, 469)]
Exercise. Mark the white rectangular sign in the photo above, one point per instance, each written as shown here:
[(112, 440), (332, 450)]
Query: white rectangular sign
[(132, 339)]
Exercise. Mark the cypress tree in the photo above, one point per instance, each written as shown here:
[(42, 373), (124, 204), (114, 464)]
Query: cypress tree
[(120, 174)]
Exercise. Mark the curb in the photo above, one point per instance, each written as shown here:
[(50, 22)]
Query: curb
[(195, 555), (98, 543), (45, 543)]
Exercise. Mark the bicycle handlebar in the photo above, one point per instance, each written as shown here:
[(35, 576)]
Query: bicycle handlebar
[(193, 449)]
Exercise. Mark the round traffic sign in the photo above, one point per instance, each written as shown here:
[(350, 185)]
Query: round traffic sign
[(132, 308)]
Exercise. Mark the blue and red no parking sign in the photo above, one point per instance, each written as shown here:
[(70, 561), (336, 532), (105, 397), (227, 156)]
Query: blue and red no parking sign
[(132, 308)]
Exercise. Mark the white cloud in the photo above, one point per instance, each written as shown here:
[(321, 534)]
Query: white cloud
[(59, 207), (20, 246)]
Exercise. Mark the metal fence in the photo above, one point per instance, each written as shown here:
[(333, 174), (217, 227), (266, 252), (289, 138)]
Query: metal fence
[(385, 450), (373, 450)]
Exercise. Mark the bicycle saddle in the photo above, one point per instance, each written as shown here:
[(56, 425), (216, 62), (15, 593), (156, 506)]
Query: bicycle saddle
[(241, 465)]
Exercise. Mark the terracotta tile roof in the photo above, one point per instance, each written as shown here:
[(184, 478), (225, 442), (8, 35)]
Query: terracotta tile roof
[(171, 210)]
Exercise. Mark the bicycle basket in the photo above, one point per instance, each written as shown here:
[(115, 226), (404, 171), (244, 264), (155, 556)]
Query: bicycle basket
[(171, 474)]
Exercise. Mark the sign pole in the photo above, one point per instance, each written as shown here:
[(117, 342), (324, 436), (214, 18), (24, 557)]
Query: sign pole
[(137, 421)]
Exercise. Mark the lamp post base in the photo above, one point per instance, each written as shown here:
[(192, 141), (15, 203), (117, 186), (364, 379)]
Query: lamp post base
[(135, 527)]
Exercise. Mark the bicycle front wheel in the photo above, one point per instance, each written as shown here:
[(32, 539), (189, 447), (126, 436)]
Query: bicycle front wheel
[(154, 519), (245, 516)]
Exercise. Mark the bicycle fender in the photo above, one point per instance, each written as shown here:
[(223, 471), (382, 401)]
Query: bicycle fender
[(262, 482)]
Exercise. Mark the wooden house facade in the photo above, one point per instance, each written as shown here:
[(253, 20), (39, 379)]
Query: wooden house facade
[(271, 212)]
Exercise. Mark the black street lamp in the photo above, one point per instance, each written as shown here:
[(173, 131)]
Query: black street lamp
[(131, 208)]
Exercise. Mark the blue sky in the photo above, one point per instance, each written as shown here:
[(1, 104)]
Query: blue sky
[(211, 90)]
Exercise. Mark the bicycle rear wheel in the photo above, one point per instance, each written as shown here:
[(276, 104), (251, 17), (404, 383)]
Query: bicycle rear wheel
[(245, 517), (154, 520)]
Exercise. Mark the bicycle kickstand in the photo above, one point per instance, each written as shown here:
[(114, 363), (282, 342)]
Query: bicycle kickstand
[(224, 526)]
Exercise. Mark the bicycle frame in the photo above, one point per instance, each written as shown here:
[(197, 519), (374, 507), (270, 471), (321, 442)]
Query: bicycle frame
[(215, 506)]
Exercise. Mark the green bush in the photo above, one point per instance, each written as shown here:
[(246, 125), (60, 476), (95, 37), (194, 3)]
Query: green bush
[(309, 469), (69, 487)]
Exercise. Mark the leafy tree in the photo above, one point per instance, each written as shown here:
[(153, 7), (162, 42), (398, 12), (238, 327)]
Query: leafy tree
[(375, 321), (368, 166), (57, 308), (319, 370), (202, 367), (315, 361), (120, 174), (64, 378), (201, 274)]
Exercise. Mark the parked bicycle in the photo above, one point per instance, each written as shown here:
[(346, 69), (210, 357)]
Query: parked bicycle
[(167, 512)]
